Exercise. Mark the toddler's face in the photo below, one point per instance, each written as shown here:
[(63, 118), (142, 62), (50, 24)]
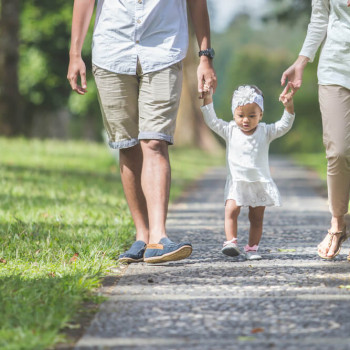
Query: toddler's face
[(247, 117)]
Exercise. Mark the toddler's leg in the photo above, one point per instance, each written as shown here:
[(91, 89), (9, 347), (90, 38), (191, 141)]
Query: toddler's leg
[(256, 218), (230, 247), (231, 216)]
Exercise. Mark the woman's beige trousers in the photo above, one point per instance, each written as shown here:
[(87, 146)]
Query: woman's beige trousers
[(335, 110)]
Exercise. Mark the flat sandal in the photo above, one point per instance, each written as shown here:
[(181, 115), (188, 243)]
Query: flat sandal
[(343, 237)]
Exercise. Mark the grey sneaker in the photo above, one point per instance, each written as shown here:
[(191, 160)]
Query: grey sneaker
[(230, 248), (251, 253)]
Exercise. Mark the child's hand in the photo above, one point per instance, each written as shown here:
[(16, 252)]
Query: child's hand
[(287, 100), (207, 95)]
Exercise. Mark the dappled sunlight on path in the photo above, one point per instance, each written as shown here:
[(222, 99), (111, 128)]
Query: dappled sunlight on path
[(291, 299)]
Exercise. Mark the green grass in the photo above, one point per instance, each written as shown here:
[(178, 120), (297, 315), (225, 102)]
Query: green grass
[(63, 220)]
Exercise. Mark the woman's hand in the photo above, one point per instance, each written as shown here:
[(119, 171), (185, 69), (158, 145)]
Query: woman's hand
[(348, 3), (294, 75)]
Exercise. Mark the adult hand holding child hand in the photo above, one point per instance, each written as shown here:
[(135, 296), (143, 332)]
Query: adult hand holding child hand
[(287, 99)]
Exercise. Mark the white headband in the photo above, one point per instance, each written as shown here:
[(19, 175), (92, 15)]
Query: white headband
[(244, 95)]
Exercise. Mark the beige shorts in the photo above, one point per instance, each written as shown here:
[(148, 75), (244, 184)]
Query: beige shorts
[(139, 107)]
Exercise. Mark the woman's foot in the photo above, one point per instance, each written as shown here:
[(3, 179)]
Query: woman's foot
[(230, 248), (330, 247)]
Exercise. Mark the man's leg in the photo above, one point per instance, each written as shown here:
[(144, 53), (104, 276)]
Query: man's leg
[(155, 182), (118, 97), (130, 162), (159, 97)]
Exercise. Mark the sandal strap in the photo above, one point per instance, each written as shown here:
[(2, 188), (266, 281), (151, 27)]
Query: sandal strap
[(332, 234)]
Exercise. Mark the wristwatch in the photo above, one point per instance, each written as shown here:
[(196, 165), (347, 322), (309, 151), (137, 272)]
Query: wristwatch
[(208, 52)]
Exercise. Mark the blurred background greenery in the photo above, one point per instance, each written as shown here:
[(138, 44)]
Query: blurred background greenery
[(254, 45)]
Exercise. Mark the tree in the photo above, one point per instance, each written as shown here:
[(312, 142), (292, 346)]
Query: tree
[(11, 119), (289, 11)]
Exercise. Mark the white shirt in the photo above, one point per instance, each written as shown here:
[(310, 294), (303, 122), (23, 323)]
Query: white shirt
[(155, 31), (247, 156), (330, 27)]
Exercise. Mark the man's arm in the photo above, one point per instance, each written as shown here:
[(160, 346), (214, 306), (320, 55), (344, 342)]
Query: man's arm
[(82, 13), (200, 19)]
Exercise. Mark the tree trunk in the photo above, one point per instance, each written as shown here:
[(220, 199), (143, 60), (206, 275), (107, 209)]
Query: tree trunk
[(10, 110), (191, 129)]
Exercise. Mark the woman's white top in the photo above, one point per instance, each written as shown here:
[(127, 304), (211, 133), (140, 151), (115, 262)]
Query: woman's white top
[(249, 180), (330, 27)]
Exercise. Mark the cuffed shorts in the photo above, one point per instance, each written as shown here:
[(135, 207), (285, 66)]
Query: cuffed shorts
[(139, 107)]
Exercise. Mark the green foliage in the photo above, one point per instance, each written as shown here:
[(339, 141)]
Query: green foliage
[(44, 57), (63, 220)]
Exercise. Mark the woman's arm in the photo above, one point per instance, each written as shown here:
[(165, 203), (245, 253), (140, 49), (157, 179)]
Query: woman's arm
[(82, 13), (200, 19), (317, 31)]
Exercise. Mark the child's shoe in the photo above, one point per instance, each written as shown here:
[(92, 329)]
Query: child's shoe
[(230, 248), (251, 253)]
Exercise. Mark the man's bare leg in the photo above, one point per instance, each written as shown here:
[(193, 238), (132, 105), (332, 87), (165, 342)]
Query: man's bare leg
[(155, 181), (130, 161)]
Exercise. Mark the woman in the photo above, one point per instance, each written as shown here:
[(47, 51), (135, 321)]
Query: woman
[(330, 28)]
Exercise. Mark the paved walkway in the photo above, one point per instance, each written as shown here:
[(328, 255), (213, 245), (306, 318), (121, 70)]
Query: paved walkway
[(289, 300)]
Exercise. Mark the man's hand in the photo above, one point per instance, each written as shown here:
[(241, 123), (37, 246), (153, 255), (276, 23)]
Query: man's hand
[(77, 69), (206, 76), (294, 75)]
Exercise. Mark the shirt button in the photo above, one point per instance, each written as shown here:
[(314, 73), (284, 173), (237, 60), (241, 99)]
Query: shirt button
[(138, 21), (137, 41)]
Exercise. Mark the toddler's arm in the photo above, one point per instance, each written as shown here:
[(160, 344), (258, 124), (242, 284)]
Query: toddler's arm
[(281, 127), (219, 126), (207, 96)]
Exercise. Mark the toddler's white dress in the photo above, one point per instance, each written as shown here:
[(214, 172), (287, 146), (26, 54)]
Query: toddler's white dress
[(249, 180)]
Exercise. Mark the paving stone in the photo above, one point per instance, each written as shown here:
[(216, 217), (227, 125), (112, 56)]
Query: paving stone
[(289, 300)]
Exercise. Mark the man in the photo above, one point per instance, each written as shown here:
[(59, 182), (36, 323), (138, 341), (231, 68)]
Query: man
[(138, 46)]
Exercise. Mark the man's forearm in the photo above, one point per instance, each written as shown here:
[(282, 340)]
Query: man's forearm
[(82, 13), (200, 18)]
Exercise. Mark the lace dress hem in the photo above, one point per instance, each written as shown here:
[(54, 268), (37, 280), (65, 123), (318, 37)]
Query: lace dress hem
[(253, 194)]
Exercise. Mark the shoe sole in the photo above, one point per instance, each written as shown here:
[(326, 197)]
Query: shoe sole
[(254, 258), (230, 251), (129, 260), (179, 254)]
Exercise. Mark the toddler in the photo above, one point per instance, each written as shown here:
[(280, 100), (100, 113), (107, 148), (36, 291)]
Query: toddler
[(249, 182)]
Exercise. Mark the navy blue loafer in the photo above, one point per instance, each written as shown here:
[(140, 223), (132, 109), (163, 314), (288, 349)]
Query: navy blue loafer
[(166, 250), (134, 254)]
